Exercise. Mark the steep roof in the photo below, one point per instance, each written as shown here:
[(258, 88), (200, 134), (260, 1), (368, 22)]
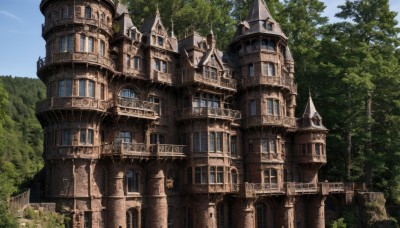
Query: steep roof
[(258, 11), (311, 119)]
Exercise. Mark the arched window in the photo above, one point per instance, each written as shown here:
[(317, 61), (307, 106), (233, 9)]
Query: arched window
[(132, 218), (132, 181), (88, 12), (128, 93)]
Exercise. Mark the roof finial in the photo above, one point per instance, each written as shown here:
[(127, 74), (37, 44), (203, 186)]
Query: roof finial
[(157, 10), (172, 28)]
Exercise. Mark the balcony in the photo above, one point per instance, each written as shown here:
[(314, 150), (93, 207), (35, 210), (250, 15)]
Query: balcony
[(270, 120), (164, 78), (133, 73), (135, 108), (284, 82), (76, 20), (141, 150), (79, 57), (219, 82), (81, 103), (72, 151), (208, 112), (311, 158), (212, 188)]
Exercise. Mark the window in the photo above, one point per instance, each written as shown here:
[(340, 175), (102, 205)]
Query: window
[(103, 219), (221, 215), (133, 34), (271, 45), (160, 41), (66, 137), (170, 219), (102, 95), (132, 218), (268, 146), (136, 62), (252, 108), (102, 48), (86, 137), (254, 44), (86, 88), (273, 107), (157, 65), (132, 181), (87, 219), (164, 66), (213, 174), (270, 177), (65, 88), (66, 43), (251, 70), (216, 175), (88, 12), (200, 141), (128, 93), (64, 12), (86, 44), (261, 211), (125, 136), (206, 100), (318, 149), (215, 141), (157, 139), (200, 175), (159, 101), (268, 44), (270, 26), (233, 145), (101, 16), (234, 176), (220, 175), (268, 69)]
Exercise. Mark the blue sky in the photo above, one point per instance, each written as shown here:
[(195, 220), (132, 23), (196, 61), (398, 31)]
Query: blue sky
[(21, 42)]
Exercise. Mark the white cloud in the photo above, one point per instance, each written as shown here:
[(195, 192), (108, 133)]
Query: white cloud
[(10, 15)]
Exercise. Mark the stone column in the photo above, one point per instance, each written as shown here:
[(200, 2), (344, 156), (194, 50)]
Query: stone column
[(316, 212), (116, 211), (246, 214), (289, 212), (157, 210), (205, 214)]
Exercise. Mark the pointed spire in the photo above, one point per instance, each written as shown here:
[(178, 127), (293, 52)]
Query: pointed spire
[(172, 28), (258, 11), (310, 110), (157, 10)]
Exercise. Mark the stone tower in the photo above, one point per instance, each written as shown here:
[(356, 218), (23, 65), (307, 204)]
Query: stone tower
[(145, 130)]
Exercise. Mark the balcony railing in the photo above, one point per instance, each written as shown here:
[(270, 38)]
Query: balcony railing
[(67, 57), (208, 112), (84, 103), (285, 82), (142, 150), (76, 20), (212, 188), (132, 72), (270, 120), (163, 77), (311, 158), (219, 81), (136, 108), (71, 151)]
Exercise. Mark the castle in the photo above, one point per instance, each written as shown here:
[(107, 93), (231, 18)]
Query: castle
[(145, 130)]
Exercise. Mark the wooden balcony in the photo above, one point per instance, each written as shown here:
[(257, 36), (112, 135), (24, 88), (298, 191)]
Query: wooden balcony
[(208, 112), (67, 103), (270, 120), (76, 57), (309, 158), (284, 82), (135, 108), (143, 151), (164, 78), (212, 188), (76, 20), (218, 82)]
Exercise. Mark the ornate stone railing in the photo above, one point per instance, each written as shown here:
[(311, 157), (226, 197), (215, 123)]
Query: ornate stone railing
[(208, 112), (163, 77), (270, 120), (221, 82), (71, 151), (285, 82), (76, 20), (136, 108), (306, 187), (131, 72), (86, 103), (142, 150), (67, 57), (212, 188), (311, 158)]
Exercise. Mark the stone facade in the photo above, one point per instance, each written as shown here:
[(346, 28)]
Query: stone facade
[(143, 130)]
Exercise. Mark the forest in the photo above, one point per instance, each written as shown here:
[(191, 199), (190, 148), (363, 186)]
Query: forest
[(351, 67)]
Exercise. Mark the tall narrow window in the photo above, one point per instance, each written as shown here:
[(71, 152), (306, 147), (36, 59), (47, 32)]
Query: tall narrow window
[(261, 211), (219, 141), (212, 175), (90, 44), (65, 88), (82, 87), (252, 108), (132, 181), (264, 146), (128, 61), (87, 219), (270, 108), (88, 12), (102, 46), (318, 149), (276, 108), (233, 145), (250, 69), (170, 219), (66, 137), (82, 42), (203, 141), (137, 63), (220, 175), (272, 146), (164, 66), (86, 137), (212, 142), (66, 43), (132, 218), (102, 92), (157, 65), (234, 177), (160, 41), (90, 88)]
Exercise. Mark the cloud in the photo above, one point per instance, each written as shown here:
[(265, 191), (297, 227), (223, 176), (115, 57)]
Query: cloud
[(10, 15)]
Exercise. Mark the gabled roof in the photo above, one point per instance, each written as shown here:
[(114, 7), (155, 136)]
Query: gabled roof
[(149, 24), (311, 119), (207, 57), (310, 110)]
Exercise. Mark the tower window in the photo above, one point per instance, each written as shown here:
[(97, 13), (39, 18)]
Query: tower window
[(88, 12), (132, 181), (66, 43), (160, 41), (87, 219), (273, 107), (65, 88), (268, 69), (270, 177), (250, 69), (102, 48), (252, 108), (86, 137), (86, 88)]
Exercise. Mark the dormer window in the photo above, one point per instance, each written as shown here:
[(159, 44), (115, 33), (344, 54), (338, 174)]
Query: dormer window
[(270, 26), (160, 41), (133, 34), (88, 12), (317, 121)]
